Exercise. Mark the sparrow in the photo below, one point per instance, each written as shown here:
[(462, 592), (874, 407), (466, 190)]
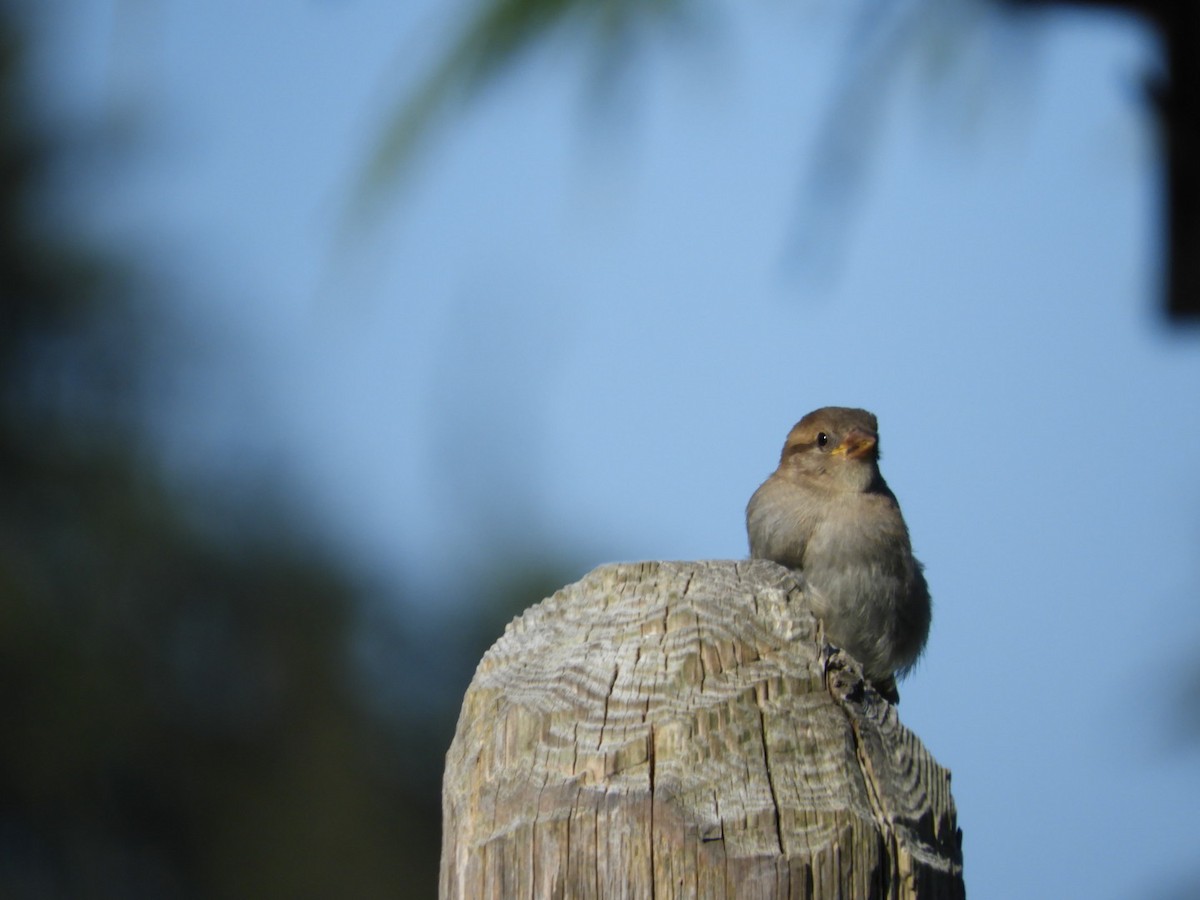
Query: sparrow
[(827, 512)]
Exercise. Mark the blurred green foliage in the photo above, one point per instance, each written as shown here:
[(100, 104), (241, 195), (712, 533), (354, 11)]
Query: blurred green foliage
[(182, 713), (495, 35)]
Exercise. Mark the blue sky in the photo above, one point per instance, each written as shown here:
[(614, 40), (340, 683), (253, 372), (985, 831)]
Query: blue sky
[(587, 340)]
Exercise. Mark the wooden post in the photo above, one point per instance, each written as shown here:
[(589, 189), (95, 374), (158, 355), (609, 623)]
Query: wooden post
[(678, 730)]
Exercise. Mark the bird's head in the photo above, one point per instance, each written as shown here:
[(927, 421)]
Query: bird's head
[(837, 445)]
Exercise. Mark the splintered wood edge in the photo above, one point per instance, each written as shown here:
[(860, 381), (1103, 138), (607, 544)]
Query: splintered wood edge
[(665, 722)]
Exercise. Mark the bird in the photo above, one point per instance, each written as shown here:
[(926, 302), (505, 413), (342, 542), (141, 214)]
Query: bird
[(827, 512)]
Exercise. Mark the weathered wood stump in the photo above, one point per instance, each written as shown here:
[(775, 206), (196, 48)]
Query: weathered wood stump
[(681, 730)]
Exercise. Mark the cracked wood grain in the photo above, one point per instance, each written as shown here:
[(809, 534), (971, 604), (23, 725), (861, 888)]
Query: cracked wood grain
[(676, 730)]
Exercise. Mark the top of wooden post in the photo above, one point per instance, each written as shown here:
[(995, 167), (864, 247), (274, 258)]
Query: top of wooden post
[(679, 730)]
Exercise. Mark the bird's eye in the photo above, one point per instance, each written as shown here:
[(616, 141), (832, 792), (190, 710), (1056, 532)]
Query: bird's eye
[(822, 439)]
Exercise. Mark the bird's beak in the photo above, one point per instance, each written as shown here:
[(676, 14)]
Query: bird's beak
[(856, 444)]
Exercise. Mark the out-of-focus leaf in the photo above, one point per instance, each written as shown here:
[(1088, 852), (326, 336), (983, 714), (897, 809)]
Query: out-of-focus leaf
[(496, 35)]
